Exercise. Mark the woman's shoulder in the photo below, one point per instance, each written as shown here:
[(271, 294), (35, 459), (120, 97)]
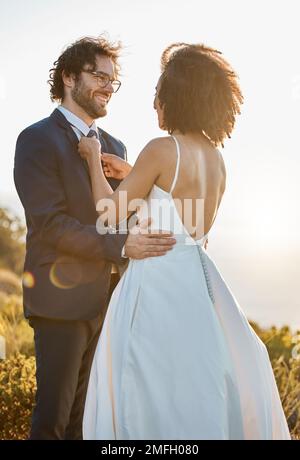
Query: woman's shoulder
[(159, 142), (157, 148)]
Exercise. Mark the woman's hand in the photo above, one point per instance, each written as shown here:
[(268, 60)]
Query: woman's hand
[(114, 166), (89, 147)]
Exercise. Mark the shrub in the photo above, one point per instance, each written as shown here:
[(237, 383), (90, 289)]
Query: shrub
[(284, 352), (17, 390), (279, 341)]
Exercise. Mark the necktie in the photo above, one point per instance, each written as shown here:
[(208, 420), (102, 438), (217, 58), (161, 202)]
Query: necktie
[(92, 133)]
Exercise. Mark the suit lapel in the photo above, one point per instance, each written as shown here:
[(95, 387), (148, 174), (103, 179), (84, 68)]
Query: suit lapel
[(104, 146), (73, 139)]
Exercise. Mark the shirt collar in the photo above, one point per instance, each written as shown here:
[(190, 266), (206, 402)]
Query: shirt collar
[(77, 122)]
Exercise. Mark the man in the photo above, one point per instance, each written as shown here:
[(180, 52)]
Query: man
[(67, 262)]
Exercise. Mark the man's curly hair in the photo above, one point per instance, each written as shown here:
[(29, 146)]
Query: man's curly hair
[(198, 92), (72, 60)]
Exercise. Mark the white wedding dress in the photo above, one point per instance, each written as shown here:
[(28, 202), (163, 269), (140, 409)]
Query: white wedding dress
[(177, 358)]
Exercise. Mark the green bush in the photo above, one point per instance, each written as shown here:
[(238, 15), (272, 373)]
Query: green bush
[(279, 341), (17, 390), (284, 351)]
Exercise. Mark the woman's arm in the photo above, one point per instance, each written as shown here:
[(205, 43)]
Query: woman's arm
[(134, 188), (114, 166)]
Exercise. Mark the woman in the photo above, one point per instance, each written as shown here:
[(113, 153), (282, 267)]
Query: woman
[(177, 358)]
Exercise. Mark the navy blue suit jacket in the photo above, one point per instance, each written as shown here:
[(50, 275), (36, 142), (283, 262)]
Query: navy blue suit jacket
[(68, 263)]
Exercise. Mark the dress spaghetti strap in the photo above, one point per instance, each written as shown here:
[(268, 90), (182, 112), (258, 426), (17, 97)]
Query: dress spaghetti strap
[(177, 165)]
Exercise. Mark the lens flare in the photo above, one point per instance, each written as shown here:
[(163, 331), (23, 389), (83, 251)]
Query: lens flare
[(28, 280), (65, 275)]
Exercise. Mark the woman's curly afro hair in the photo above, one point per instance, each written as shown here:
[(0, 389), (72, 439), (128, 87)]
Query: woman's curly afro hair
[(199, 91)]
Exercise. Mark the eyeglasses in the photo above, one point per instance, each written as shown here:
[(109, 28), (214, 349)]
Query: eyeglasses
[(103, 79)]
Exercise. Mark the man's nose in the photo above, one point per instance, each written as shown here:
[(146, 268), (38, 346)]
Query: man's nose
[(109, 88)]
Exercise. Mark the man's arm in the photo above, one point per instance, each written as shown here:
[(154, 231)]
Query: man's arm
[(38, 182)]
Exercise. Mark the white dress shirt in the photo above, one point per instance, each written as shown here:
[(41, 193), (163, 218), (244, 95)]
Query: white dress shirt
[(79, 127)]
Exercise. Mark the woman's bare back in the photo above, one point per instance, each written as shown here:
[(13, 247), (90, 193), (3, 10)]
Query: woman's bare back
[(201, 175)]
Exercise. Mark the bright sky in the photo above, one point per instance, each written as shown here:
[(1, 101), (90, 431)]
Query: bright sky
[(255, 240)]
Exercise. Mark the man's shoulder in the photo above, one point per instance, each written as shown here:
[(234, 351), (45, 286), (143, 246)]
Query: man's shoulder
[(40, 127)]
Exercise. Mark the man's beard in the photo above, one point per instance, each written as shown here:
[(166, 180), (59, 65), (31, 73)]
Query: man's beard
[(88, 104)]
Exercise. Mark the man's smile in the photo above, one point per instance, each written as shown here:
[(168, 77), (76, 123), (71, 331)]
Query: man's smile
[(101, 98)]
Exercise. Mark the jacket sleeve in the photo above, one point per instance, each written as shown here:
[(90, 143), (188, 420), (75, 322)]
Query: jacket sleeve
[(125, 153), (40, 188)]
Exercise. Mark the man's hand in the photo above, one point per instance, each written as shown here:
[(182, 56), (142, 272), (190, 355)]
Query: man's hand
[(141, 244), (114, 166)]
